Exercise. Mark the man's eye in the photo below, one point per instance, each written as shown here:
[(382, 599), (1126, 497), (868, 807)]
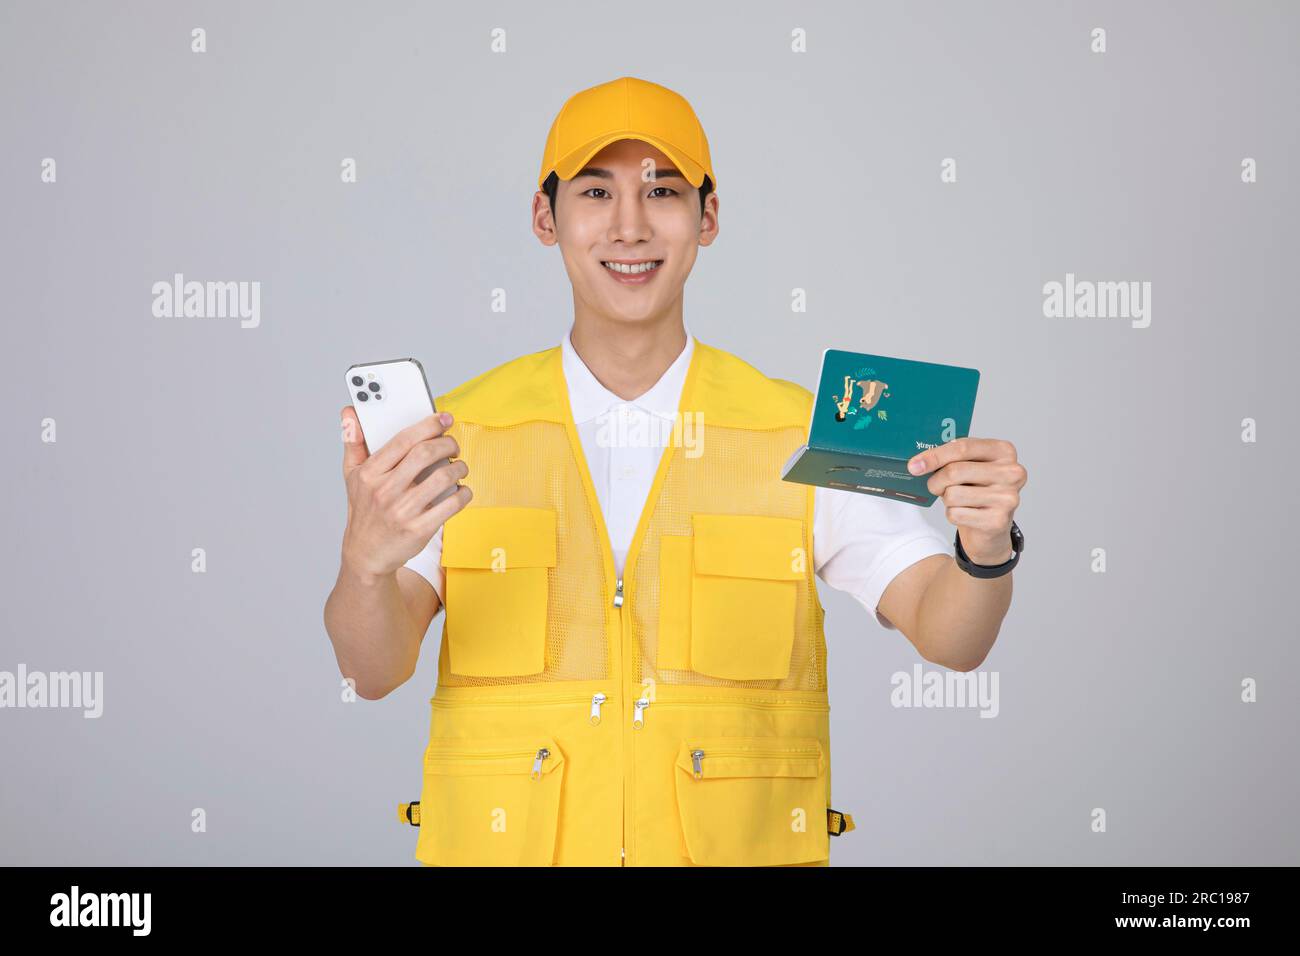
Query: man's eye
[(600, 189)]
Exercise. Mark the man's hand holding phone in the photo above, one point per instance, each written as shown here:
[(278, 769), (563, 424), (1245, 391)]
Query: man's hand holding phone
[(391, 515)]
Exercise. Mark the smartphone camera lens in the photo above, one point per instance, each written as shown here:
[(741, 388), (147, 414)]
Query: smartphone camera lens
[(362, 397), (374, 386), (357, 381)]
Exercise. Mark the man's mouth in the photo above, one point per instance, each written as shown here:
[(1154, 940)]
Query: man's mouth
[(631, 267)]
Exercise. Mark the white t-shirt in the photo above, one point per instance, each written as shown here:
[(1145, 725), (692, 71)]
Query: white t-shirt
[(860, 542)]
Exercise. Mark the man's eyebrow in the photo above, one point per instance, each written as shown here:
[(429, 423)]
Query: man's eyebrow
[(660, 173)]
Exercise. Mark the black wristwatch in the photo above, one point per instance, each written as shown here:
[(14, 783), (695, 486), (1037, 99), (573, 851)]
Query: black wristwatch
[(990, 570)]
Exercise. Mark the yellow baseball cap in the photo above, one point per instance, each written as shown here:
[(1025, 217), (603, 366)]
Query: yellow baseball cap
[(626, 108)]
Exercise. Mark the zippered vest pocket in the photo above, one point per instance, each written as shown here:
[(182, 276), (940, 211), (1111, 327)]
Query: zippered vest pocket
[(752, 801), (490, 802), (728, 594), (497, 560)]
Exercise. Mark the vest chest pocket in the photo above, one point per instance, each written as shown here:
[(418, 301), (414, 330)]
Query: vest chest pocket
[(728, 593), (490, 802), (752, 801), (496, 561)]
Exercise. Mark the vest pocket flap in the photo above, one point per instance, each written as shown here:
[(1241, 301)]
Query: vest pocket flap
[(748, 546), (532, 756), (490, 801), (721, 757), (752, 801), (499, 538), (497, 560)]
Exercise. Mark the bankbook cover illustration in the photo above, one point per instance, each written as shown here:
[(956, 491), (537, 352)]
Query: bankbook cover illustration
[(872, 413)]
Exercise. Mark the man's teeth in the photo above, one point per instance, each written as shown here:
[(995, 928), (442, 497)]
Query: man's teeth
[(632, 270)]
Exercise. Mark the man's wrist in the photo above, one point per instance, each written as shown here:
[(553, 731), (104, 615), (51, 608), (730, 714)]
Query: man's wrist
[(986, 555), (362, 576), (989, 559)]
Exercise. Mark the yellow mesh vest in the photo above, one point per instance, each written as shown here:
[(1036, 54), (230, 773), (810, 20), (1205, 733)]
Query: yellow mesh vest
[(676, 716)]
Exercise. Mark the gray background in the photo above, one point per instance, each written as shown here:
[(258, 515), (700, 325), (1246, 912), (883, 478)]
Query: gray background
[(1118, 690)]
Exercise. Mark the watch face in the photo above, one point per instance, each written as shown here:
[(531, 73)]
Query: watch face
[(1017, 539)]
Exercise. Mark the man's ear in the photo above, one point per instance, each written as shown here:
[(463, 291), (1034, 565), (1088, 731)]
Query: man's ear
[(544, 219), (709, 223)]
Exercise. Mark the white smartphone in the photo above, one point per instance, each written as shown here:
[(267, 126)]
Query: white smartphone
[(389, 396)]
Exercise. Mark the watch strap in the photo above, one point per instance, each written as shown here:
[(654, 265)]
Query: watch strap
[(990, 570)]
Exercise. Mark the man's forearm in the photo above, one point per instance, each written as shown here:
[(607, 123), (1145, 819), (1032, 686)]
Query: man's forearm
[(960, 616), (375, 640)]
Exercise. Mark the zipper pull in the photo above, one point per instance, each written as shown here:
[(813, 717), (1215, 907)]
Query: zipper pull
[(596, 700), (537, 762), (637, 709), (696, 757), (618, 594)]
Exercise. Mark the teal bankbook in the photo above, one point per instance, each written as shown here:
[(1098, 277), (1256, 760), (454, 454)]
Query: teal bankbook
[(873, 413)]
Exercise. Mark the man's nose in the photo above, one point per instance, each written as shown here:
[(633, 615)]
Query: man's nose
[(630, 222)]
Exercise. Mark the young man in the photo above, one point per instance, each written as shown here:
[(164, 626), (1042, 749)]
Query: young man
[(633, 668)]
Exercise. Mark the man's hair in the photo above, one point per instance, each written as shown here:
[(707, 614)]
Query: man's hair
[(552, 185)]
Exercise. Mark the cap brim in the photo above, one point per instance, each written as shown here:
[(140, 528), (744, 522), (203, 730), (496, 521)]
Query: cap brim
[(570, 165)]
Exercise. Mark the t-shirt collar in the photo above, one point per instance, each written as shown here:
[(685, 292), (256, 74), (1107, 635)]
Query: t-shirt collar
[(590, 399)]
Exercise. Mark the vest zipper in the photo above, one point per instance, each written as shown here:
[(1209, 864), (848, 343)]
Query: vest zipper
[(757, 752), (697, 756), (542, 754), (771, 704), (638, 711), (625, 761), (511, 702), (454, 756), (597, 699)]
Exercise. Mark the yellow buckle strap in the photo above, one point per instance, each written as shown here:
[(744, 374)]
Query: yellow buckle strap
[(838, 822), (409, 813)]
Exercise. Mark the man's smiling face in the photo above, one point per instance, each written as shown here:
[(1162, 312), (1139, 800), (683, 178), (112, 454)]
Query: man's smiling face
[(628, 241)]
